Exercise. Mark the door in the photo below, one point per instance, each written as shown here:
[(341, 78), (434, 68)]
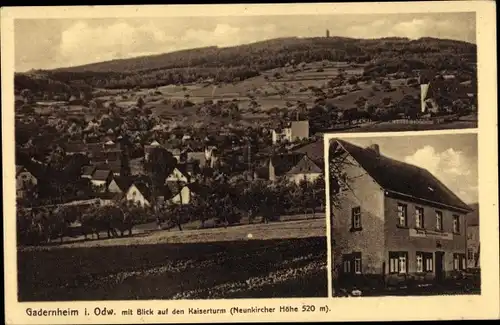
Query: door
[(439, 258)]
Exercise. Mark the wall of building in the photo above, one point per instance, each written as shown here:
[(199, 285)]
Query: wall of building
[(408, 240), (473, 245), (272, 173), (368, 195), (134, 195), (113, 187), (99, 185), (175, 176), (297, 178), (299, 130), (184, 197)]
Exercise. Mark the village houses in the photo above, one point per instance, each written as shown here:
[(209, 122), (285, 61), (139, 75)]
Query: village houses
[(392, 221)]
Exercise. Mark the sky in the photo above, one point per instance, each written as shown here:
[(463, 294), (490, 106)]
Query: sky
[(53, 43), (452, 158)]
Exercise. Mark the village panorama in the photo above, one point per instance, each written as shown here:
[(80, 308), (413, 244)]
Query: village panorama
[(199, 174)]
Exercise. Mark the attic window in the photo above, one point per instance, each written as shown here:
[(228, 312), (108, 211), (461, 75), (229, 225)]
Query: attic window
[(430, 189)]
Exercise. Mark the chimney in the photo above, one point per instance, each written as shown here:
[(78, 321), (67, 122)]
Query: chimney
[(375, 148)]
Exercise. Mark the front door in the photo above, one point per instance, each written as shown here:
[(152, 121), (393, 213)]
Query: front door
[(439, 258)]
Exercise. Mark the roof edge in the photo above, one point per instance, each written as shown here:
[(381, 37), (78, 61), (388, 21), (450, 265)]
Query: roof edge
[(430, 201)]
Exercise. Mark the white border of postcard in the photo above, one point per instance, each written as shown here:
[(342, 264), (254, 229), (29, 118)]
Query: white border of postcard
[(481, 306)]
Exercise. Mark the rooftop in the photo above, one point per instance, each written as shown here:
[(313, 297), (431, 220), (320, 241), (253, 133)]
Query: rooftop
[(402, 178)]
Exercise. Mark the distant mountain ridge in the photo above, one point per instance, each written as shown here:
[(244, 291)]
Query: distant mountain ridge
[(167, 60), (236, 63)]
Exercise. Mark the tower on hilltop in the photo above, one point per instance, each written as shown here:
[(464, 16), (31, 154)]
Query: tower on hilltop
[(327, 33)]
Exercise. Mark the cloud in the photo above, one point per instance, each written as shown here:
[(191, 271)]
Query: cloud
[(415, 28), (82, 43), (226, 35), (451, 167)]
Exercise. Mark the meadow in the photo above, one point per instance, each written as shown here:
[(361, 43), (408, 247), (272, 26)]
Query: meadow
[(284, 259)]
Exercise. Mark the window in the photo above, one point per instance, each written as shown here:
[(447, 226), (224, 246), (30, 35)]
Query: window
[(425, 262), (419, 217), (357, 263), (456, 224), (402, 263), (351, 263), (439, 220), (429, 262), (420, 262), (402, 215), (459, 262), (346, 264), (356, 218), (398, 262), (470, 254)]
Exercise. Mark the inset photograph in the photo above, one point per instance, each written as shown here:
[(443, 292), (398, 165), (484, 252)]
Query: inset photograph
[(404, 214)]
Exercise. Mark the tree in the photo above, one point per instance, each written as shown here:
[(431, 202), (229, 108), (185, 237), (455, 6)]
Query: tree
[(140, 103), (27, 109), (319, 192), (27, 96), (159, 165)]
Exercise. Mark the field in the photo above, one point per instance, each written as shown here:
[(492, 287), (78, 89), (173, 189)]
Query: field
[(270, 92), (193, 264)]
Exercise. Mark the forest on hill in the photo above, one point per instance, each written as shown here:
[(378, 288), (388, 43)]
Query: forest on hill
[(233, 64)]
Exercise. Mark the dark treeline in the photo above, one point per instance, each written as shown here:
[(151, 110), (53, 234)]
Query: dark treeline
[(230, 64)]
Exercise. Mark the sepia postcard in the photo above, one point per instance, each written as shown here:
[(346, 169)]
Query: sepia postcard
[(260, 162)]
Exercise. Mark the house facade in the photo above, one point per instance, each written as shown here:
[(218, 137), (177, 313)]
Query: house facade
[(473, 247), (297, 130), (306, 169), (303, 163), (392, 222), (140, 194), (473, 243)]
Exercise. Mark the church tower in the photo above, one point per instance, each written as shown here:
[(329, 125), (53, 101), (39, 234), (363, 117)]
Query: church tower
[(327, 33)]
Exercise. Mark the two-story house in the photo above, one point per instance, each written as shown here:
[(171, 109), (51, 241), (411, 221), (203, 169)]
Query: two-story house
[(391, 221), (296, 130)]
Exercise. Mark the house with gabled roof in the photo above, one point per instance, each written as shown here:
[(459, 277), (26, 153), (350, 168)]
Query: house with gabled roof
[(303, 163), (120, 184), (391, 221), (101, 179), (178, 192), (88, 171), (140, 193)]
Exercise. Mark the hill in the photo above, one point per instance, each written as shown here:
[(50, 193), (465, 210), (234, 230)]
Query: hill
[(473, 217), (233, 64)]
